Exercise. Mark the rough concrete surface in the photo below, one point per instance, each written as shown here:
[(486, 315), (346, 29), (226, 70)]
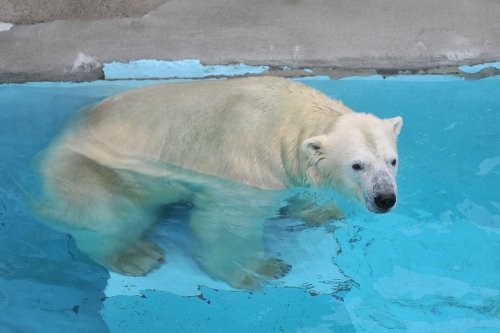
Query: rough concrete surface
[(75, 37), (37, 11)]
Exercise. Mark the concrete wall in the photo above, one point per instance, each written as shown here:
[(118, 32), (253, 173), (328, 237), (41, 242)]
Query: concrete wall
[(70, 40)]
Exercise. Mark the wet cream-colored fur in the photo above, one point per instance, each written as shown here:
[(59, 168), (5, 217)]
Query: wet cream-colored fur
[(228, 147)]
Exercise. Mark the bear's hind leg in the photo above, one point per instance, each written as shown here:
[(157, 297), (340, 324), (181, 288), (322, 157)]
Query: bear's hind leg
[(105, 212), (134, 257)]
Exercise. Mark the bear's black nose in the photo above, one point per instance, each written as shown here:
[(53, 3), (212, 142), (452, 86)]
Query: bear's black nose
[(385, 201)]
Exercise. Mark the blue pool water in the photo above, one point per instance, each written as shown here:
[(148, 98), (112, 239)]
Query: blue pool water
[(432, 265)]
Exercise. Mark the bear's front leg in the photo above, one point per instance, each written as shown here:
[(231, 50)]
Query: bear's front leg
[(230, 234), (306, 208), (136, 259)]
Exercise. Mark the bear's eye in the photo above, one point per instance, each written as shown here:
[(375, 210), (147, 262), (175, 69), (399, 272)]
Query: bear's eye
[(394, 162), (357, 167)]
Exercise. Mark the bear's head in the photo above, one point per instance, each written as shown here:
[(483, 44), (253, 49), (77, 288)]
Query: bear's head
[(358, 158)]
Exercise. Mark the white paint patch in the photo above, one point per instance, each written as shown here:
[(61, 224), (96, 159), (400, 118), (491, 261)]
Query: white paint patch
[(480, 216), (421, 48), (296, 52), (450, 127), (488, 165), (5, 26), (85, 63), (461, 55)]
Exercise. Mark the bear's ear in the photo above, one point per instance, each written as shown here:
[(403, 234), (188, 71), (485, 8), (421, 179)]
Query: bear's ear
[(314, 147), (397, 123)]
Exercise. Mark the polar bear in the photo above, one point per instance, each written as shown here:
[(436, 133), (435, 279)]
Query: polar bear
[(230, 148)]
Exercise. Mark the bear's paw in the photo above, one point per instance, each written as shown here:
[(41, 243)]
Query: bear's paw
[(137, 260), (267, 269)]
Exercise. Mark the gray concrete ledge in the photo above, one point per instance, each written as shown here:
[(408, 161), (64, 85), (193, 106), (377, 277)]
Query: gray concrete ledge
[(329, 36)]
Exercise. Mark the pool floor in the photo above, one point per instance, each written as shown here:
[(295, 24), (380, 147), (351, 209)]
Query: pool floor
[(431, 265)]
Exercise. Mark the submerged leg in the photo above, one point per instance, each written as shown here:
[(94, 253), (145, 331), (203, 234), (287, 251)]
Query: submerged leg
[(104, 211), (307, 208), (135, 257), (230, 230)]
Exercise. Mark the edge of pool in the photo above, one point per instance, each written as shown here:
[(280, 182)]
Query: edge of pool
[(193, 69)]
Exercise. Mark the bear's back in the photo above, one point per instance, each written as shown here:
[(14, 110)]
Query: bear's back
[(228, 128)]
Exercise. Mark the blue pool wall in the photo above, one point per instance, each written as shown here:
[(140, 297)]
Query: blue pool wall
[(448, 181)]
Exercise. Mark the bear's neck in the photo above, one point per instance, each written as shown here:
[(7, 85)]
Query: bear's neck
[(295, 162)]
